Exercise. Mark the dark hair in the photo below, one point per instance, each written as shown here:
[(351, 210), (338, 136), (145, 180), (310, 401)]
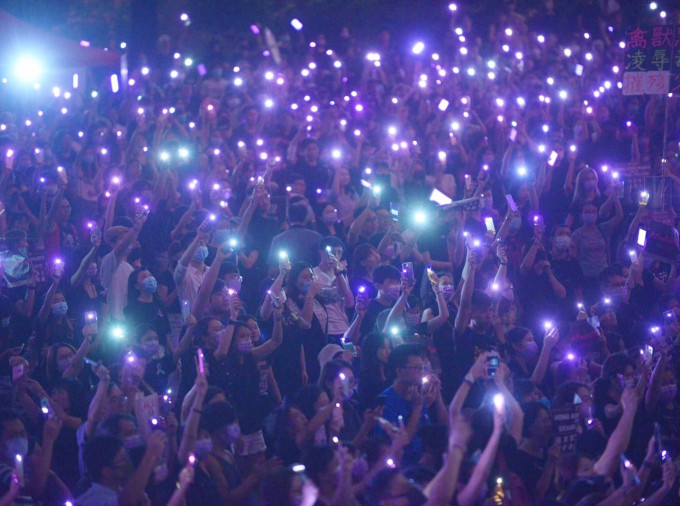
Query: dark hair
[(142, 329), (380, 484), (369, 352), (275, 487), (400, 355), (51, 366), (332, 241), (216, 416), (608, 273), (361, 252), (228, 268), (7, 415), (616, 363), (384, 272), (330, 371), (531, 412), (100, 453), (297, 213), (111, 425), (203, 325), (522, 387), (305, 398), (295, 271), (316, 460), (480, 300), (565, 393)]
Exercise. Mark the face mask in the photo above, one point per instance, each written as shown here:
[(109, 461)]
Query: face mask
[(133, 442), (203, 448), (233, 432), (150, 285), (152, 347), (530, 350), (306, 286), (448, 291), (59, 309), (516, 223), (16, 446), (245, 347), (620, 292), (589, 218), (201, 254), (562, 242), (546, 402), (589, 185), (221, 235), (668, 392), (393, 292), (234, 284)]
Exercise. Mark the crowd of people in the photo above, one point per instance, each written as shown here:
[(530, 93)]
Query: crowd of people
[(359, 272)]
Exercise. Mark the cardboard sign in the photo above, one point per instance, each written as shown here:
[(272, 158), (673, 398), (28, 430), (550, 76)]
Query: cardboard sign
[(565, 422), (662, 243)]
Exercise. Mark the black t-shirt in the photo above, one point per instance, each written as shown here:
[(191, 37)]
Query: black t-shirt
[(468, 346), (528, 468), (151, 313), (374, 309), (570, 274)]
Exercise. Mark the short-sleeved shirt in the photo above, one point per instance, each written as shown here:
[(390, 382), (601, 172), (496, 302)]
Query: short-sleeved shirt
[(114, 277), (98, 495), (395, 406), (188, 280), (334, 302), (592, 248)]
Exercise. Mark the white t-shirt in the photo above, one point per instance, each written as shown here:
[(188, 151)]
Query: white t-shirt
[(334, 302), (188, 280), (114, 277)]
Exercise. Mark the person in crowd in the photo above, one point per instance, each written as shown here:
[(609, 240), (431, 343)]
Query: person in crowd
[(275, 266)]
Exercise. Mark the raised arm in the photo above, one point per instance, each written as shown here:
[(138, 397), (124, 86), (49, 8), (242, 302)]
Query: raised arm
[(190, 434), (85, 262), (463, 316), (202, 300), (549, 342), (468, 496), (619, 439), (266, 349)]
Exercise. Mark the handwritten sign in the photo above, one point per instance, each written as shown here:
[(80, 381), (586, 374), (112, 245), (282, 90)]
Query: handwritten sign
[(650, 63), (565, 422)]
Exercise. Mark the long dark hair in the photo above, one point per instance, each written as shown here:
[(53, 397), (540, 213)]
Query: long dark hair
[(292, 290)]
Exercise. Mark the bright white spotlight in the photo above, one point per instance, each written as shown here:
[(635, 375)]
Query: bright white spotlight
[(28, 69)]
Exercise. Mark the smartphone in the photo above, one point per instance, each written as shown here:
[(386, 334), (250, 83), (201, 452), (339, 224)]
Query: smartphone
[(157, 423), (91, 319), (553, 158), (350, 347), (644, 198), (669, 317), (642, 238), (513, 135), (59, 267), (647, 353), (201, 363), (407, 273), (539, 222), (493, 366), (511, 203), (45, 408), (394, 211), (439, 198), (431, 275), (186, 310), (657, 440), (490, 227)]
